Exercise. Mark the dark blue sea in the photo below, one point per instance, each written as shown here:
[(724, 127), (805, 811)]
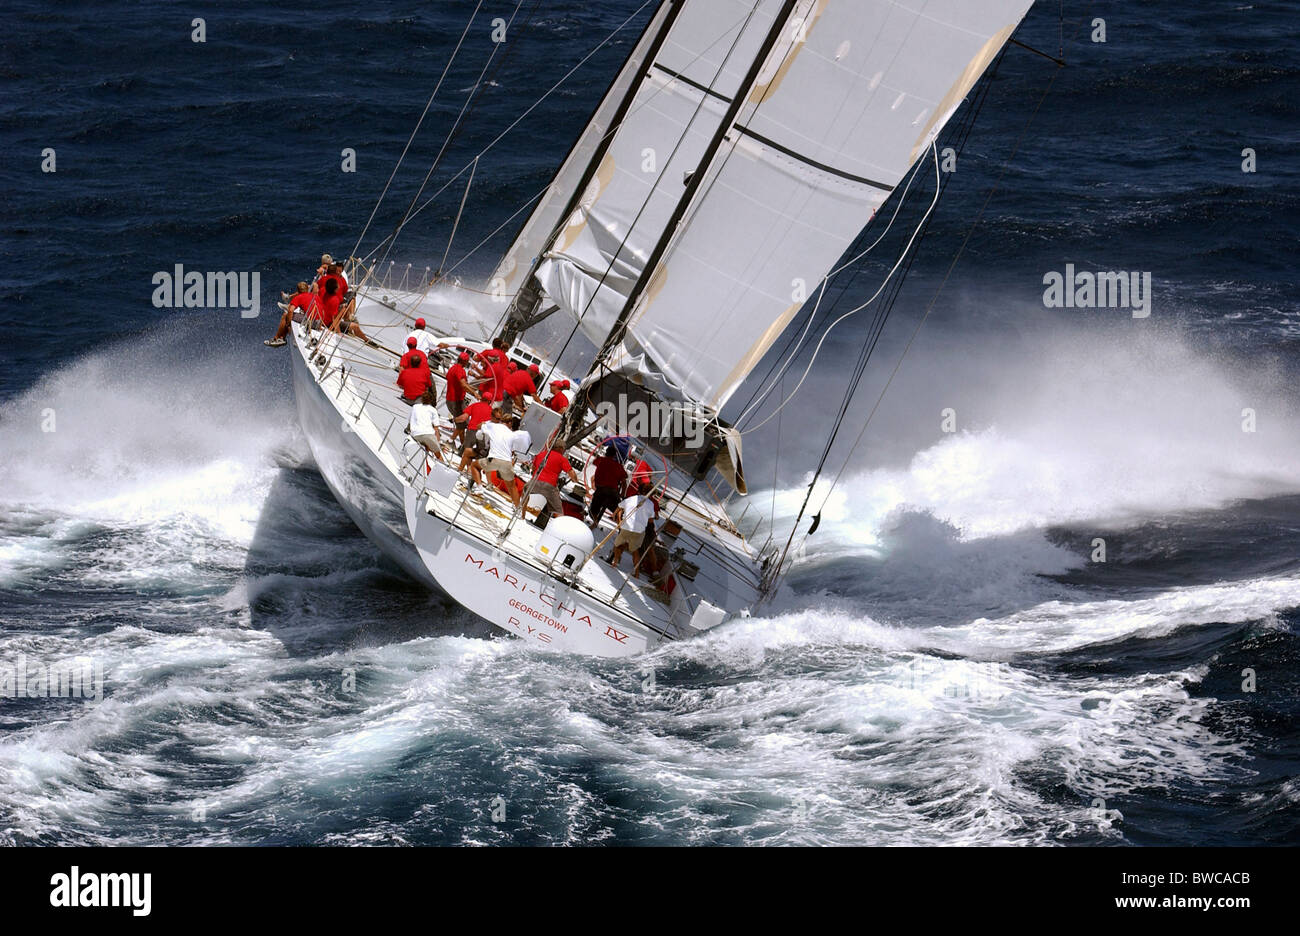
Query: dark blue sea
[(950, 661)]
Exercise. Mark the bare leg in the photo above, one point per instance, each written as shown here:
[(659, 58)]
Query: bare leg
[(283, 330)]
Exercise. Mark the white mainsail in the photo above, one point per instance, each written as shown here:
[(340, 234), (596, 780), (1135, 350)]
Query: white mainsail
[(794, 154), (598, 257), (538, 230)]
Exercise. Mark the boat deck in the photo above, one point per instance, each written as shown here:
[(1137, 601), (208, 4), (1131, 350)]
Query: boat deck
[(360, 379)]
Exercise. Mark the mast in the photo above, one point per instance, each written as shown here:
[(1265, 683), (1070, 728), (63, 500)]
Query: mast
[(523, 308), (697, 177), (784, 145)]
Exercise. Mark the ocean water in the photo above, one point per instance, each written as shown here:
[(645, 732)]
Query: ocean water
[(947, 663)]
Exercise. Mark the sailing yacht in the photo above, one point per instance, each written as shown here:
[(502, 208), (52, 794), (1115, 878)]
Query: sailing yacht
[(740, 150)]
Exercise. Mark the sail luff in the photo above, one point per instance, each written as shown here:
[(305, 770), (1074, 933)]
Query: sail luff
[(595, 136), (846, 110), (779, 24)]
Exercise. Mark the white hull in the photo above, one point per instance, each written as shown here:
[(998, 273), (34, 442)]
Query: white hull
[(464, 544), (367, 489)]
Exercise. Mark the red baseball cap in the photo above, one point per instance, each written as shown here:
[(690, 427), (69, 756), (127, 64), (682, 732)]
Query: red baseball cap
[(488, 396), (557, 383), (464, 357), (534, 369), (411, 342), (419, 323), (512, 366)]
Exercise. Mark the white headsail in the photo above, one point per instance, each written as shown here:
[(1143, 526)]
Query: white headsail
[(757, 144)]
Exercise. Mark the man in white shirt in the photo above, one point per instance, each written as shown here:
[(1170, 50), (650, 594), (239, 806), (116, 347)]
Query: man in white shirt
[(503, 442), (632, 516), (425, 343), (423, 426)]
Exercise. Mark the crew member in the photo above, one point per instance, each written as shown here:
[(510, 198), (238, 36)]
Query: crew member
[(632, 516), (547, 468), (519, 383), (503, 442), (558, 401), (303, 306), (458, 389), (423, 339), (423, 426), (607, 478), (415, 378), (495, 366)]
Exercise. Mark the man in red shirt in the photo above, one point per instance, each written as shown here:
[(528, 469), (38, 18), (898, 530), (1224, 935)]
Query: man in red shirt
[(468, 422), (410, 346), (329, 302), (334, 272), (495, 367), (607, 478), (641, 474), (458, 389), (519, 383), (558, 401), (547, 468), (332, 289), (303, 307), (415, 378)]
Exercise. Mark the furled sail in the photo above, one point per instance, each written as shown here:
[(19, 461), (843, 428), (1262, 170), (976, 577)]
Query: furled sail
[(759, 143)]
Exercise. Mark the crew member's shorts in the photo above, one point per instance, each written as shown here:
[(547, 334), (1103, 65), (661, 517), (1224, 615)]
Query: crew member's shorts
[(629, 539), (603, 499), (552, 495), (456, 407), (429, 441), (505, 471)]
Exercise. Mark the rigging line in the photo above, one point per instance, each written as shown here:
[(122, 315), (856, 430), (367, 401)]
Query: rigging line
[(418, 123), (614, 129), (689, 213), (500, 227), (964, 134), (788, 355), (938, 187), (456, 223), (960, 135), (609, 267), (475, 90), (607, 136), (934, 299), (688, 207), (531, 108)]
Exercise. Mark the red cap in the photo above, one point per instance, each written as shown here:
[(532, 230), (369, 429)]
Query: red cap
[(534, 369), (557, 383), (566, 385), (488, 396), (411, 342), (512, 367), (419, 323), (464, 357)]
